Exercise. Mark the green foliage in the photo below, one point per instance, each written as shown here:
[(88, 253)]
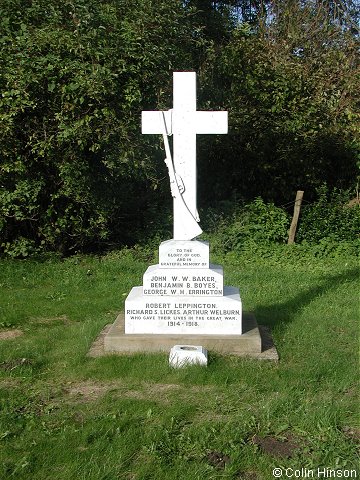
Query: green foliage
[(328, 228), (254, 223), (75, 171), (290, 86), (20, 248), (330, 217)]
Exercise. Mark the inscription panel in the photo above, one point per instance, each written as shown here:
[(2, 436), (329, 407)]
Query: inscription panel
[(204, 282), (184, 254), (183, 315)]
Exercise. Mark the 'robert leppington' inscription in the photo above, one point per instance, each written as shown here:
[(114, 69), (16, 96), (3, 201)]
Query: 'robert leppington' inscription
[(158, 281)]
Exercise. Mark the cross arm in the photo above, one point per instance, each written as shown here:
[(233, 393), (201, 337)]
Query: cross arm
[(211, 122), (153, 121)]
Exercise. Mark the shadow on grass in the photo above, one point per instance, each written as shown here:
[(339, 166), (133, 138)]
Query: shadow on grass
[(281, 314)]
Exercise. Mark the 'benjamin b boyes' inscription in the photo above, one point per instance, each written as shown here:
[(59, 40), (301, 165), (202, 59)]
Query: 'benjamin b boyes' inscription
[(201, 283)]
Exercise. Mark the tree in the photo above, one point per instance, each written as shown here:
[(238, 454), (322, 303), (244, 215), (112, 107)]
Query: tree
[(74, 169), (291, 86), (75, 172)]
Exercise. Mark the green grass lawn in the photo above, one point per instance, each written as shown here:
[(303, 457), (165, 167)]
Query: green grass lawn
[(67, 416)]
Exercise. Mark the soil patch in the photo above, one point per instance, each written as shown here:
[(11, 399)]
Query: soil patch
[(158, 392), (15, 363), (352, 433), (10, 334), (50, 320), (217, 459), (275, 447), (8, 383), (351, 392), (88, 391)]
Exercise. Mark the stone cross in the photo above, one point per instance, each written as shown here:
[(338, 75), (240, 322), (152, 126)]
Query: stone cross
[(184, 122)]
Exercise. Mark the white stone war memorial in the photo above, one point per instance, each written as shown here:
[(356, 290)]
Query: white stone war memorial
[(183, 299)]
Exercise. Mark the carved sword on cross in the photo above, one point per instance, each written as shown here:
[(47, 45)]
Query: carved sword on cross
[(184, 122)]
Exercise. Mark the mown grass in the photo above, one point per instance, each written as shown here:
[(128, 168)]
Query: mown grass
[(67, 416)]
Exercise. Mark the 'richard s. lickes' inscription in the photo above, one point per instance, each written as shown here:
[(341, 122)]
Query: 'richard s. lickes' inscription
[(183, 309)]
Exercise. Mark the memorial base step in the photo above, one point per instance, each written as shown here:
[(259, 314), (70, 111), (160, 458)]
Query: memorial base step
[(247, 344)]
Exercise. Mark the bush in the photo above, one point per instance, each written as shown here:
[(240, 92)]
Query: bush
[(291, 89), (330, 217), (256, 222), (75, 171), (327, 228)]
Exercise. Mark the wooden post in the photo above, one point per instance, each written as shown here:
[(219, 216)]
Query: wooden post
[(294, 222)]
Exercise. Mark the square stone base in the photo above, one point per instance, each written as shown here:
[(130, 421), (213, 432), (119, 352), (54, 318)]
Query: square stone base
[(254, 342)]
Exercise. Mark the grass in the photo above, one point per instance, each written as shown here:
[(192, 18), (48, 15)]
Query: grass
[(66, 416)]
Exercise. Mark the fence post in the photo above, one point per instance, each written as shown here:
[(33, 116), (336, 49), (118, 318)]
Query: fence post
[(294, 222)]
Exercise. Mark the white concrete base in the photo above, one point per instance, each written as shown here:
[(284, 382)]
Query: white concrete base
[(183, 314), (183, 355)]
